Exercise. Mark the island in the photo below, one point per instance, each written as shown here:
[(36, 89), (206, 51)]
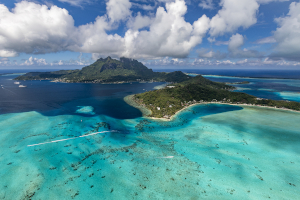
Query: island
[(181, 91), (108, 70), (166, 102)]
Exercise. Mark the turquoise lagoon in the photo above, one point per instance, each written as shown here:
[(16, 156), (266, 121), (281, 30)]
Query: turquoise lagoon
[(82, 141), (207, 151), (269, 88)]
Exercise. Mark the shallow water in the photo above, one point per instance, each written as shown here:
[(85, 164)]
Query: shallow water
[(86, 142), (277, 89), (212, 151)]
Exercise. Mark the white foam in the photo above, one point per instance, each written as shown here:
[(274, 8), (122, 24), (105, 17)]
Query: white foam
[(70, 138), (166, 157)]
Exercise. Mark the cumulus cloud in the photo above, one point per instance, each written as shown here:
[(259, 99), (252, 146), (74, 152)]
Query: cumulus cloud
[(139, 22), (33, 28), (287, 34), (267, 61), (7, 53), (92, 38), (80, 60), (118, 9), (235, 42), (207, 4), (234, 47), (234, 14), (35, 61), (169, 34)]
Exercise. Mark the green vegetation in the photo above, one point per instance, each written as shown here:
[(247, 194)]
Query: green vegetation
[(184, 91), (108, 70), (45, 75), (166, 102)]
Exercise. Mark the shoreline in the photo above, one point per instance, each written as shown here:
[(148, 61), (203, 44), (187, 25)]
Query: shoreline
[(234, 104), (129, 100)]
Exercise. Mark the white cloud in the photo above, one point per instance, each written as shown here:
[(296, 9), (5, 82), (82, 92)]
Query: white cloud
[(80, 60), (33, 28), (139, 22), (234, 47), (76, 2), (92, 38), (48, 3), (168, 35), (234, 14), (266, 40), (205, 53), (226, 62), (211, 39), (7, 53), (118, 10), (267, 61), (35, 61), (206, 4), (235, 42), (288, 34)]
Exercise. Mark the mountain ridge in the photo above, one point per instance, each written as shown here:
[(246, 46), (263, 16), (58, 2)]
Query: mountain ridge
[(108, 70)]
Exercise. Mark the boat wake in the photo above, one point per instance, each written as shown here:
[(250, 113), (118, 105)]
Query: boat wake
[(55, 141), (9, 91)]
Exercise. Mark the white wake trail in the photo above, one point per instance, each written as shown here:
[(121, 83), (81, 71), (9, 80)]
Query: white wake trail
[(70, 138), (9, 91)]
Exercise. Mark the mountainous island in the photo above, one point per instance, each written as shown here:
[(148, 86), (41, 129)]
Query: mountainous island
[(164, 103), (107, 70)]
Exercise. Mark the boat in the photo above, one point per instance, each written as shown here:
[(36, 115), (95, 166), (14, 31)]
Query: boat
[(17, 83), (22, 86)]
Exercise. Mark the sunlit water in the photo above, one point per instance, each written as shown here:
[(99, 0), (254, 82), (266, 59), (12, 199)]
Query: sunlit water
[(85, 143), (277, 89)]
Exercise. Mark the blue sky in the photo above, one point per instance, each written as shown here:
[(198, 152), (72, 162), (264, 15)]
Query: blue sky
[(160, 33)]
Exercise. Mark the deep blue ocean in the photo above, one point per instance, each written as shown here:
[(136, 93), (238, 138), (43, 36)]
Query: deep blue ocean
[(51, 98), (60, 98), (82, 141)]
